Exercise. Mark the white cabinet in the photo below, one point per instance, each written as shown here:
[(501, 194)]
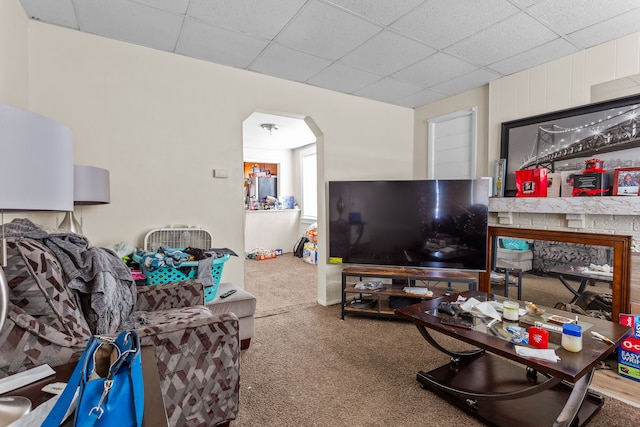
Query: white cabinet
[(271, 229)]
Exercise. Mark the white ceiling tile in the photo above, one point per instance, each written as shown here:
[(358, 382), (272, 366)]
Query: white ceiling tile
[(473, 80), (59, 12), (326, 31), (257, 17), (534, 57), (617, 27), (203, 41), (379, 49), (344, 79), (440, 23), (435, 70), (510, 37), (421, 98), (388, 90), (176, 6), (130, 22), (528, 3), (386, 53), (288, 64), (568, 16), (383, 12)]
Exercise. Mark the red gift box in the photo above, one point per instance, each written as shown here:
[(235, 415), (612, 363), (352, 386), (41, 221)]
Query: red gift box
[(531, 182)]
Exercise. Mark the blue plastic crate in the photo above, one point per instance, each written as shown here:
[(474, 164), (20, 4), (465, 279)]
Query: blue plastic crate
[(515, 244)]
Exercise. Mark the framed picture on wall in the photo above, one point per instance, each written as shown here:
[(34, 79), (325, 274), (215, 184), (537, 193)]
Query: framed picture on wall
[(626, 181), (563, 140)]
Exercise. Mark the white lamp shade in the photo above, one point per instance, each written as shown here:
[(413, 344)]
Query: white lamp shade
[(36, 162), (90, 185)]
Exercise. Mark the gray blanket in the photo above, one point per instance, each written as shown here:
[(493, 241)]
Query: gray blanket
[(93, 271)]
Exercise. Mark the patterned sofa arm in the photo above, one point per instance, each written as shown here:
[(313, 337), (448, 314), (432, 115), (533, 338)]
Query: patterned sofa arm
[(26, 342), (198, 355), (170, 295)]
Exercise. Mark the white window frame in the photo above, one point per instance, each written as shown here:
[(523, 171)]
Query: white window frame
[(433, 149)]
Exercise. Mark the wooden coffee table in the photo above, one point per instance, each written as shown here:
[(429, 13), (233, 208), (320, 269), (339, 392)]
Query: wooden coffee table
[(584, 277), (485, 382)]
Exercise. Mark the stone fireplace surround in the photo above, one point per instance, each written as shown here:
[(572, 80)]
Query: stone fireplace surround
[(600, 219)]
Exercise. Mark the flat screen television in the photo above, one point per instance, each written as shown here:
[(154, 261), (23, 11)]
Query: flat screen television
[(438, 223)]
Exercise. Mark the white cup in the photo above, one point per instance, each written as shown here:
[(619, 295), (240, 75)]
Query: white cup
[(510, 310)]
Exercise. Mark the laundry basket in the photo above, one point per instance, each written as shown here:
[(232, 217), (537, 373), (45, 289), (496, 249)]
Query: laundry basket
[(181, 238), (186, 271), (178, 237)]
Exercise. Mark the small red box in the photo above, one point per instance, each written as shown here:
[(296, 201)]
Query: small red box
[(532, 182), (632, 321)]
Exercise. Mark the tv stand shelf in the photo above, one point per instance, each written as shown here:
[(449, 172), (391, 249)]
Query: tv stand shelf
[(380, 298)]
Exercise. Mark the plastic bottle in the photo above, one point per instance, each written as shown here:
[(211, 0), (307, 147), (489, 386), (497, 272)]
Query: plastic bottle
[(538, 337), (572, 337)]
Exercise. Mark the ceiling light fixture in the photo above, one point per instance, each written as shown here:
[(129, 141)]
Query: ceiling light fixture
[(269, 126)]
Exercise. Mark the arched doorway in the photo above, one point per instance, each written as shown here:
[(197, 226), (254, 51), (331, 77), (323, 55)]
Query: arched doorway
[(276, 152)]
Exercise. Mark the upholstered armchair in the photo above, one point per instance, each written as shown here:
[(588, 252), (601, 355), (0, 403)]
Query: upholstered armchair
[(198, 352)]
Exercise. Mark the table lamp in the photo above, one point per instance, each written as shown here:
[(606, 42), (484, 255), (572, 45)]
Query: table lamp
[(90, 187), (36, 174)]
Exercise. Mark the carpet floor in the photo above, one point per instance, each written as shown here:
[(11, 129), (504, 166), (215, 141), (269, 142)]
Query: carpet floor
[(306, 367)]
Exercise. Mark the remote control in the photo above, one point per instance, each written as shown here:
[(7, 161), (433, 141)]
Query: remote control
[(228, 293), (459, 323), (448, 308)]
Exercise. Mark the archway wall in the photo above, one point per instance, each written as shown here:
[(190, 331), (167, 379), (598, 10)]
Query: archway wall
[(161, 123)]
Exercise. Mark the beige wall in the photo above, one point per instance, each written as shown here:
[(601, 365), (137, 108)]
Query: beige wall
[(14, 62), (558, 85), (161, 123), (474, 98)]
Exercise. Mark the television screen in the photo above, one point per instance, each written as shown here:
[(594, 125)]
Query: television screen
[(420, 223)]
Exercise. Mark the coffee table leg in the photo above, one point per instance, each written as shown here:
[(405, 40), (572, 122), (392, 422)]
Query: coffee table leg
[(574, 401), (576, 293), (456, 356)]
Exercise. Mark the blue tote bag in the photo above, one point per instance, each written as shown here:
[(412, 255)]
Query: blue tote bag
[(110, 386)]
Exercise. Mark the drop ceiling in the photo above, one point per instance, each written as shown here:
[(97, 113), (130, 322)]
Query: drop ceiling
[(403, 52)]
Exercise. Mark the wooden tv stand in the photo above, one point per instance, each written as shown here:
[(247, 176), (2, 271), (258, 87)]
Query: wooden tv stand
[(379, 300)]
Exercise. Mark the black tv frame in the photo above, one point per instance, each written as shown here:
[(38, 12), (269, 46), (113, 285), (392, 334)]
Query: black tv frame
[(394, 223)]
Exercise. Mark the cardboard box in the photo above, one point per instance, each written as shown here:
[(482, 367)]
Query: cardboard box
[(629, 372), (632, 321), (629, 352), (629, 349)]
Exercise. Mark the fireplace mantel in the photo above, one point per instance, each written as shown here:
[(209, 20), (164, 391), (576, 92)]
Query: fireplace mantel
[(590, 220), (612, 205)]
